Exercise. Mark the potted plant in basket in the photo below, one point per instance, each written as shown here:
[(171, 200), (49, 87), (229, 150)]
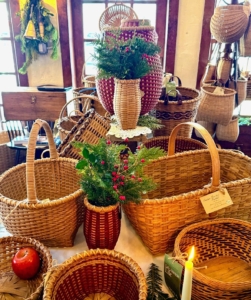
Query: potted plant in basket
[(127, 60), (111, 175)]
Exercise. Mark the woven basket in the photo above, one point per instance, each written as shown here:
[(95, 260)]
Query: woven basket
[(224, 68), (7, 155), (229, 132), (182, 179), (181, 144), (53, 222), (8, 248), (241, 89), (216, 108), (229, 23), (223, 246), (89, 129), (245, 41), (210, 127), (89, 81), (97, 271), (174, 114)]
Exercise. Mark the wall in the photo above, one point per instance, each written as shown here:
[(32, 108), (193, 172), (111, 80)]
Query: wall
[(188, 40), (46, 70)]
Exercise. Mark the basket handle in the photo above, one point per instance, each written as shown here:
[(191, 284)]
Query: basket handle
[(30, 178), (211, 146), (83, 96)]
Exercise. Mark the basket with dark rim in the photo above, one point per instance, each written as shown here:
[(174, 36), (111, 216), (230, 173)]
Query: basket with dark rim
[(89, 129), (96, 271), (182, 179), (42, 198), (8, 248), (223, 246)]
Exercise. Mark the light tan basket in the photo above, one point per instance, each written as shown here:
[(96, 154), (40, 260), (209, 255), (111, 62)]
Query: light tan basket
[(229, 132), (210, 127), (223, 246), (216, 108), (229, 23), (241, 89), (53, 219), (245, 41), (89, 81), (224, 68), (9, 247), (182, 179), (7, 155), (89, 129), (97, 271)]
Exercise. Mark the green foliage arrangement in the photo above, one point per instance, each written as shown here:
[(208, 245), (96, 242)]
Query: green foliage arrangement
[(111, 173), (123, 59), (150, 122), (244, 121), (30, 46), (154, 283)]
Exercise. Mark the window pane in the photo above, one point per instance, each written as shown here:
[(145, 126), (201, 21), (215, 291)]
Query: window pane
[(8, 81), (146, 11), (6, 57), (4, 21), (90, 66), (91, 15)]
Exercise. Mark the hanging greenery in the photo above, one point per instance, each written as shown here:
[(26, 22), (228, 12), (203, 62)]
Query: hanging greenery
[(36, 32)]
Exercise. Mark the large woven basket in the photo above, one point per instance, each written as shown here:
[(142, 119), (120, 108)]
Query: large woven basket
[(223, 246), (229, 23), (245, 41), (95, 272), (173, 114), (216, 108), (8, 248), (182, 179), (42, 199), (89, 129)]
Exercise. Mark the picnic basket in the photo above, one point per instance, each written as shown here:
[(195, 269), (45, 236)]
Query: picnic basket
[(95, 272), (182, 179), (223, 246), (8, 248), (42, 199)]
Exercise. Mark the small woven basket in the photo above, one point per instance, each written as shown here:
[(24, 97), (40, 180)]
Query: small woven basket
[(42, 199), (9, 247), (89, 81), (7, 155), (223, 246), (241, 88), (216, 108), (97, 271), (89, 129), (229, 23), (181, 144), (229, 132), (224, 68)]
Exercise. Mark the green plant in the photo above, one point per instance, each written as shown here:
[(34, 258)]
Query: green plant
[(111, 173), (123, 59), (244, 121), (41, 15)]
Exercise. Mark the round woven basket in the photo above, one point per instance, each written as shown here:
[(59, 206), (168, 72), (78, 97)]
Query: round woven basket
[(230, 132), (94, 272), (42, 198), (8, 248), (218, 240), (89, 81)]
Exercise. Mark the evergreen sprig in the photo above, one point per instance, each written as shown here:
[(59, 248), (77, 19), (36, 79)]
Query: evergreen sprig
[(111, 173), (150, 122), (154, 283), (121, 58), (30, 46)]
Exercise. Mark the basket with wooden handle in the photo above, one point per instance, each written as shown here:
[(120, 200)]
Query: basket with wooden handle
[(42, 198), (181, 180)]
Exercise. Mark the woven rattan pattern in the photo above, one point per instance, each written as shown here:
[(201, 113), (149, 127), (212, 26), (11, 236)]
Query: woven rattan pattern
[(7, 155), (97, 271)]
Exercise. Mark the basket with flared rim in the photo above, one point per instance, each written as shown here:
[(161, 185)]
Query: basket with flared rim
[(97, 271), (42, 198), (8, 248)]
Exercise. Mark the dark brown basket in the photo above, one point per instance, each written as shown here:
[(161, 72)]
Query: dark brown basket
[(97, 271), (8, 248)]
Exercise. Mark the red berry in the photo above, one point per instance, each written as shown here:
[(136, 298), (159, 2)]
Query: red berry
[(121, 183), (115, 187), (133, 176), (142, 160), (138, 147), (108, 142), (122, 177), (122, 198), (114, 174), (126, 161), (139, 179), (125, 167), (116, 166), (102, 162), (126, 140), (114, 179)]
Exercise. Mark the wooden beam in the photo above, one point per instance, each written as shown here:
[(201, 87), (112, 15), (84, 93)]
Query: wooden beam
[(172, 19), (205, 40), (160, 25), (15, 30)]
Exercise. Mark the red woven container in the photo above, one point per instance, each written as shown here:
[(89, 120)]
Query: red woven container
[(150, 84), (101, 226)]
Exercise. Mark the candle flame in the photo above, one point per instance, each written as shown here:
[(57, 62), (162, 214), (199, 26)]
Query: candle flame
[(191, 255)]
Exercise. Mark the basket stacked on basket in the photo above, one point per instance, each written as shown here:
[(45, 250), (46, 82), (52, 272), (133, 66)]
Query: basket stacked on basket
[(42, 199)]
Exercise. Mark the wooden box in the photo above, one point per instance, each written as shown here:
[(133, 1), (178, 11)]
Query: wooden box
[(27, 103)]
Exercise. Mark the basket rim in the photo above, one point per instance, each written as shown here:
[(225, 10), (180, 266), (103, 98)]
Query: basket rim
[(133, 266), (99, 209), (206, 90), (196, 99), (41, 246), (55, 202), (206, 280)]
